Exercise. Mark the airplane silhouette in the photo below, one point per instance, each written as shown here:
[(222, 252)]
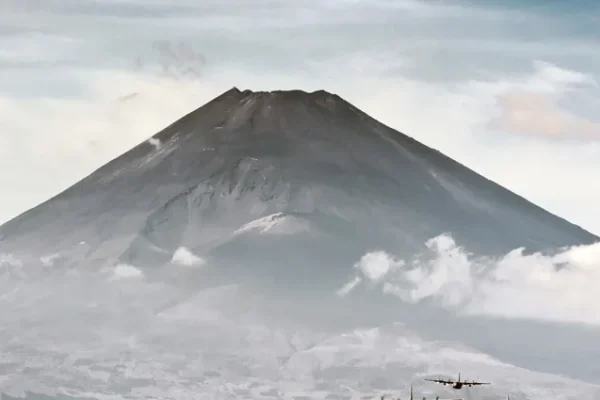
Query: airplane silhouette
[(457, 384)]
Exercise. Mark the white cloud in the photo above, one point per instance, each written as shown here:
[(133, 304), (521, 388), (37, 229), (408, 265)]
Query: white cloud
[(125, 271), (560, 288), (376, 265), (348, 287), (453, 76), (183, 256)]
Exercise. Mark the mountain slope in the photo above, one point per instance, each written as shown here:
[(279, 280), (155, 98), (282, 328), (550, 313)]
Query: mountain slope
[(336, 182)]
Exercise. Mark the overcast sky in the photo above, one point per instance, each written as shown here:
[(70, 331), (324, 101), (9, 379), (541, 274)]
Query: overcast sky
[(510, 89)]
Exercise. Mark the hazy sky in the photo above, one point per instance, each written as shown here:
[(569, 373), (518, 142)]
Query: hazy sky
[(507, 88)]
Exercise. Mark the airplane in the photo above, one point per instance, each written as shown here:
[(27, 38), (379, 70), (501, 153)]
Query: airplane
[(458, 384)]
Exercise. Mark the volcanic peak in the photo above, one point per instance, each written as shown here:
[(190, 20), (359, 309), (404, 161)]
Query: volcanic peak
[(287, 95), (283, 99)]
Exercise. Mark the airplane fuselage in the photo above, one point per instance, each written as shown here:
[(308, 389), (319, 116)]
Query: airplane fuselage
[(455, 385)]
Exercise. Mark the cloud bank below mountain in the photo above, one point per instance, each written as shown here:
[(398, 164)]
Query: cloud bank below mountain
[(557, 288)]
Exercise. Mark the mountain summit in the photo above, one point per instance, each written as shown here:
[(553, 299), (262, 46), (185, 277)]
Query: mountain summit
[(282, 178)]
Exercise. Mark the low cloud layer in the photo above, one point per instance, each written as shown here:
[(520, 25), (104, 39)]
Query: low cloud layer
[(116, 333), (558, 288)]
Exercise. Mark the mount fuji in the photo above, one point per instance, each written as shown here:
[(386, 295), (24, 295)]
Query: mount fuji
[(214, 260), (279, 178)]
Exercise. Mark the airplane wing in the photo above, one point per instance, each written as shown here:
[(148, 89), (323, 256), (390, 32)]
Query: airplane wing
[(475, 383), (439, 381)]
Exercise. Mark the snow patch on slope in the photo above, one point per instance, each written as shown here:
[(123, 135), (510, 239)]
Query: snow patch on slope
[(154, 142), (277, 223), (161, 150)]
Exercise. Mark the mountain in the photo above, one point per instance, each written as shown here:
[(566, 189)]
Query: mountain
[(284, 184)]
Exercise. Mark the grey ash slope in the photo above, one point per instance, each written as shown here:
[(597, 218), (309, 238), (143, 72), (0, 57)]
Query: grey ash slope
[(344, 183)]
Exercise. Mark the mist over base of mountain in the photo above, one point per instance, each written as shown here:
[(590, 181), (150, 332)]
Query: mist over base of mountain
[(190, 329)]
